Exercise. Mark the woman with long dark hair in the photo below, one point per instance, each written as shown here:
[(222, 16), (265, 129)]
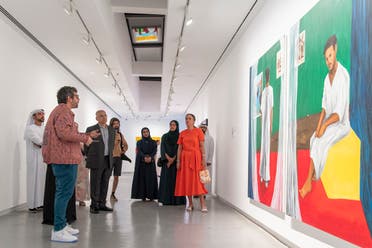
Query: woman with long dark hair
[(145, 184), (169, 167)]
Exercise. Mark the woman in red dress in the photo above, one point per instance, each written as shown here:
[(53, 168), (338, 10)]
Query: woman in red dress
[(190, 161)]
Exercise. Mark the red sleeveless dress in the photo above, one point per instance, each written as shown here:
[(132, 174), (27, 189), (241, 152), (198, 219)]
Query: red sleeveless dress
[(188, 181)]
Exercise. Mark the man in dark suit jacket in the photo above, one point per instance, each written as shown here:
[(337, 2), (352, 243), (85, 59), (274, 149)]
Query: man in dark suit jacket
[(99, 161)]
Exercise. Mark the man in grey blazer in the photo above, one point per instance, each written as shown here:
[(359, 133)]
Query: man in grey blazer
[(99, 161)]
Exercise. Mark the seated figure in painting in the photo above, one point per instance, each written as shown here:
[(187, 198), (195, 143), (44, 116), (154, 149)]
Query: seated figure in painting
[(333, 123)]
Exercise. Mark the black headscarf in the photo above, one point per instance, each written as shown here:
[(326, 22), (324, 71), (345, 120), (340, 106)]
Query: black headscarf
[(146, 138), (170, 140), (147, 146), (172, 136)]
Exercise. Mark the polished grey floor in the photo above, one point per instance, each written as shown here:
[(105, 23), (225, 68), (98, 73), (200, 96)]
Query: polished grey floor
[(140, 224)]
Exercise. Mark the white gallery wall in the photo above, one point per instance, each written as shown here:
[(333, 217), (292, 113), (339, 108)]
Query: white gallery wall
[(132, 129), (224, 100), (29, 79)]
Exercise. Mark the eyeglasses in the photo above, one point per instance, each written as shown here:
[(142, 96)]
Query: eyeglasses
[(77, 96)]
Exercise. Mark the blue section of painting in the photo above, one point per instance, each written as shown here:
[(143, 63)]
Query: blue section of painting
[(360, 93), (250, 186)]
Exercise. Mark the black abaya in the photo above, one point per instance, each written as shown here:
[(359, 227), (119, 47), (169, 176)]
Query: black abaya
[(167, 186), (145, 183), (168, 175)]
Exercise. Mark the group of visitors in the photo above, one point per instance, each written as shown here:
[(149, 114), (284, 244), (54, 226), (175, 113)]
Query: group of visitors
[(68, 153), (183, 156), (61, 161)]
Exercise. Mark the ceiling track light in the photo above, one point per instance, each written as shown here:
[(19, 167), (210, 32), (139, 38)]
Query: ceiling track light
[(108, 73), (99, 60), (189, 22), (87, 39), (69, 9)]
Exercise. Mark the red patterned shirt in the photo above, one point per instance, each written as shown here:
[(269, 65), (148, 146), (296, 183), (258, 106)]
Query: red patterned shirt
[(61, 143)]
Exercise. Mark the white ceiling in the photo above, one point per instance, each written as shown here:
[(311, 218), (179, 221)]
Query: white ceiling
[(214, 24)]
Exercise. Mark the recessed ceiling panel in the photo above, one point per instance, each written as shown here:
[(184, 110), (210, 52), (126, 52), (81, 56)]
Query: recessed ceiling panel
[(148, 53), (146, 34), (150, 93)]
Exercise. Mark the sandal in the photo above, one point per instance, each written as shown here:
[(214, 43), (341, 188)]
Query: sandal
[(81, 203), (113, 197), (204, 210), (190, 208)]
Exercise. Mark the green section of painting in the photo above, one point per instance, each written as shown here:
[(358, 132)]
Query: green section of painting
[(328, 17)]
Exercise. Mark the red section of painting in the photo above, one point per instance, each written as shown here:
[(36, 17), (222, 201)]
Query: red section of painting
[(342, 218), (266, 194)]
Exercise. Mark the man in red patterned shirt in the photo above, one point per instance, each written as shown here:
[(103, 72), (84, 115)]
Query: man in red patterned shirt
[(61, 149)]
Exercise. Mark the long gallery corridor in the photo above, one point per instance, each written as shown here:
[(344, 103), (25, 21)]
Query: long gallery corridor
[(265, 105), (138, 224)]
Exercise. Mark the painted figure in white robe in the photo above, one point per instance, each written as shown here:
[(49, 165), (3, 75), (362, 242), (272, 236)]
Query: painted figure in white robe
[(209, 151), (267, 104), (36, 169), (333, 122)]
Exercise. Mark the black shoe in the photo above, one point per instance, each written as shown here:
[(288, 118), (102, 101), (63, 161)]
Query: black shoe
[(40, 208), (32, 210), (94, 210), (105, 208)]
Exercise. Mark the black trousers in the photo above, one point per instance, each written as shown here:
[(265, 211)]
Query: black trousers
[(99, 181)]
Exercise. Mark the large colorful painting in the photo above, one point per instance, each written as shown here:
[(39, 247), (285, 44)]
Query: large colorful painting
[(325, 114), (266, 81), (328, 147)]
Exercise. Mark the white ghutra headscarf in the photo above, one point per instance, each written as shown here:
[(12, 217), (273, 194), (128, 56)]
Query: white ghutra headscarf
[(30, 119)]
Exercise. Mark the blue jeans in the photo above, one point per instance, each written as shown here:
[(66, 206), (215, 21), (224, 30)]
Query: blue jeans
[(65, 175)]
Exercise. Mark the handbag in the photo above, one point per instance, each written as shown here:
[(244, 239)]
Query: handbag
[(125, 157), (204, 176), (161, 162)]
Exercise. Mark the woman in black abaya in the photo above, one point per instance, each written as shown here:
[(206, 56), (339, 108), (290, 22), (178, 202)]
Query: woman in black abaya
[(169, 169), (145, 184)]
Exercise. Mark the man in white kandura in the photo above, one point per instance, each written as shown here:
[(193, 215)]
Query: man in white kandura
[(36, 168), (333, 122), (209, 150), (267, 104)]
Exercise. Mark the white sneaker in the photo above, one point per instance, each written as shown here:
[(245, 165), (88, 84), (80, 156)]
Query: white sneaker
[(63, 236), (71, 230)]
